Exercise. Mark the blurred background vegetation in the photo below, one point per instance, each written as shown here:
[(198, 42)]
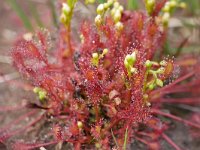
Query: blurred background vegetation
[(21, 16)]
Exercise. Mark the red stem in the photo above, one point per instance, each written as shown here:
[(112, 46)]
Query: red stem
[(170, 142), (155, 111), (182, 100)]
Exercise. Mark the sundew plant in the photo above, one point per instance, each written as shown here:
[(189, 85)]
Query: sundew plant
[(109, 88)]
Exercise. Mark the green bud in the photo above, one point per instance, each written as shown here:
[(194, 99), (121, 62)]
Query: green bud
[(165, 18), (126, 64), (36, 90), (133, 70), (119, 26), (145, 96), (117, 16), (98, 145), (131, 58), (166, 8), (159, 82), (42, 94), (151, 86), (116, 4), (110, 2), (106, 5), (182, 5), (98, 20), (161, 70), (80, 124), (65, 8), (100, 9), (173, 4), (95, 55), (89, 1), (148, 64), (105, 51), (63, 18), (121, 9), (163, 63)]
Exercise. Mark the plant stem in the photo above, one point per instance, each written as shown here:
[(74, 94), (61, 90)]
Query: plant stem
[(170, 141), (158, 112), (125, 139)]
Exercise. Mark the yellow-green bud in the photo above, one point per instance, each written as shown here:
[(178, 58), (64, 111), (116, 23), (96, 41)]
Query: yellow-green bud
[(165, 18), (65, 8), (166, 8), (151, 86), (113, 12), (110, 2), (121, 9), (159, 82), (63, 18), (117, 16), (100, 9), (106, 5), (98, 20), (133, 70), (148, 64), (161, 70), (151, 3), (126, 64), (79, 124), (36, 90), (105, 51), (182, 5), (95, 55), (82, 38), (116, 4), (163, 63), (131, 58), (89, 1), (42, 95), (145, 96), (98, 145), (173, 4), (119, 26)]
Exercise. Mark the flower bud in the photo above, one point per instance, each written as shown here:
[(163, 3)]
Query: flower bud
[(148, 64), (105, 51), (98, 20), (36, 90), (117, 16), (121, 9), (42, 95), (182, 5), (163, 63), (173, 4), (95, 55), (165, 18), (151, 86), (161, 70), (159, 82), (133, 70), (100, 9), (63, 18), (119, 26), (65, 8), (116, 4), (79, 124)]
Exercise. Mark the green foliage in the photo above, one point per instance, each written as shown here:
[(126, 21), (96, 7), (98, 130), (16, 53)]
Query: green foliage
[(132, 4), (25, 19)]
